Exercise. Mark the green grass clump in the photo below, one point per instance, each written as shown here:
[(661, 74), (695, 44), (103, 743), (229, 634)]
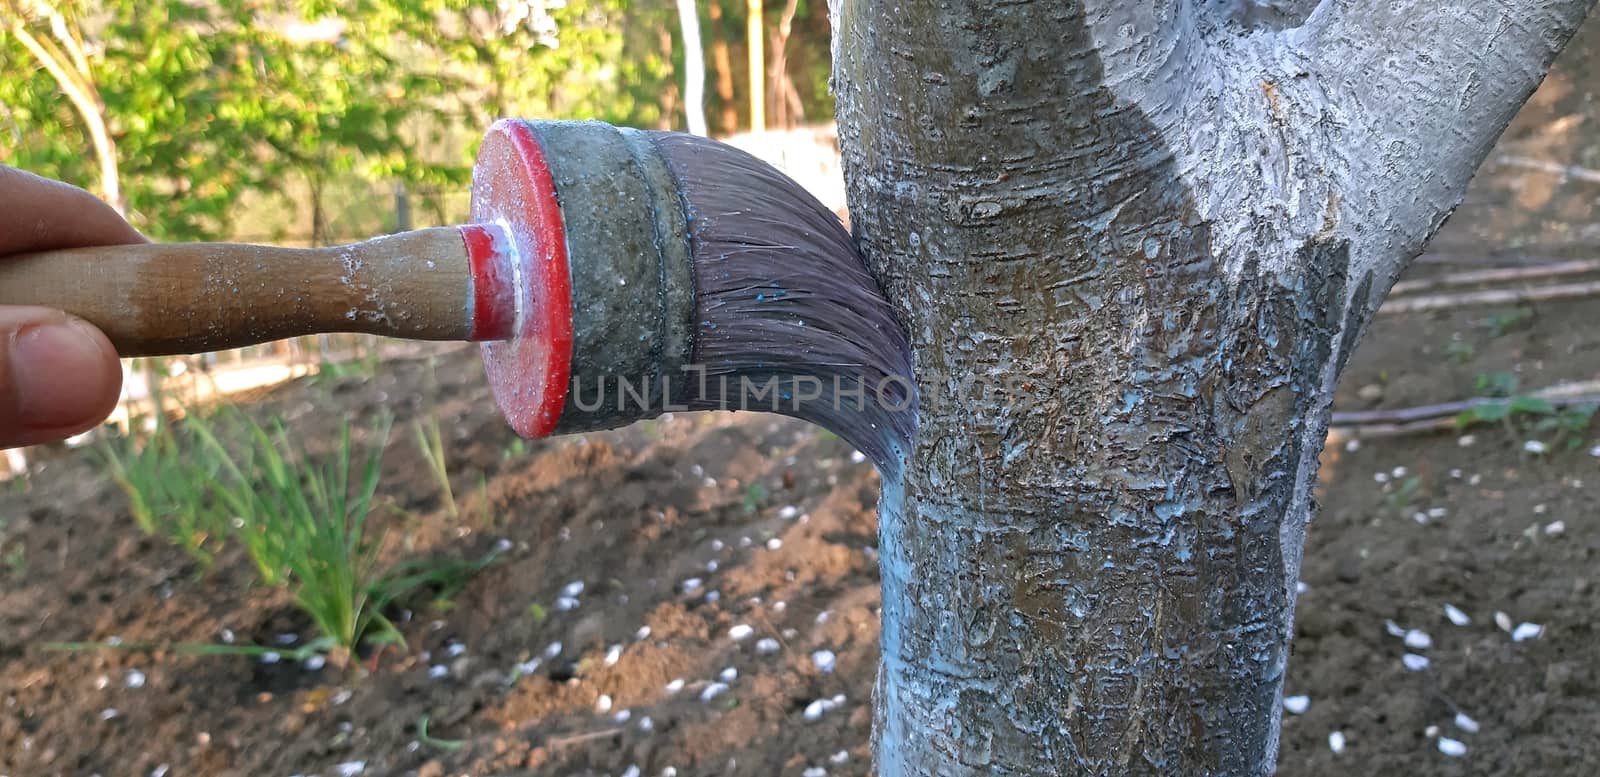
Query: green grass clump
[(304, 521), (168, 489), (431, 444), (307, 521)]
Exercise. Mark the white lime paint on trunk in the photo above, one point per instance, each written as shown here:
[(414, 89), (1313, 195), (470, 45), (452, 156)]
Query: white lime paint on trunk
[(1133, 244)]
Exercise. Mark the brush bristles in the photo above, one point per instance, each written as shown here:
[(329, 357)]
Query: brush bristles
[(785, 304)]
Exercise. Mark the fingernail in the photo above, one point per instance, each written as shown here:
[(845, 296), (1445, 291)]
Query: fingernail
[(57, 370)]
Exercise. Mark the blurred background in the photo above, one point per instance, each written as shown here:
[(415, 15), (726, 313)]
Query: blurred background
[(329, 556)]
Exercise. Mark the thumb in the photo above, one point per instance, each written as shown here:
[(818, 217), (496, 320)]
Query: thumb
[(58, 376)]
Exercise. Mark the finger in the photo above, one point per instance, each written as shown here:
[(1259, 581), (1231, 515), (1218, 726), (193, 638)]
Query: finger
[(38, 214), (58, 376)]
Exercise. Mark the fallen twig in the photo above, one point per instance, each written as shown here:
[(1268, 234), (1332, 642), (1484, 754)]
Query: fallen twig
[(1372, 424), (1491, 297), (1565, 171), (1497, 275)]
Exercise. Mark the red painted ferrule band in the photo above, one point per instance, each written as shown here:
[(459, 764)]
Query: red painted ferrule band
[(551, 320), (494, 303)]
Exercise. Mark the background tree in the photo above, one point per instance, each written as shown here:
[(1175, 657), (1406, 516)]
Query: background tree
[(1167, 223)]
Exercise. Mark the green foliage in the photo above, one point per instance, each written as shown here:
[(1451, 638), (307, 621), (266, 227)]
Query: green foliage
[(447, 745), (1504, 323), (304, 520), (1400, 497), (1459, 351), (168, 489), (429, 442), (211, 103), (1496, 384), (755, 495), (16, 560)]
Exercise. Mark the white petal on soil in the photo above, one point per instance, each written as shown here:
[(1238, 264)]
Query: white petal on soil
[(315, 662), (631, 771), (774, 543), (858, 456), (1417, 639), (741, 632), (108, 713), (712, 691), (822, 617), (552, 650), (101, 682), (1535, 446), (766, 645), (692, 584), (814, 771), (567, 603), (574, 588), (613, 655), (642, 634), (603, 704), (646, 724), (455, 649), (1451, 747), (1437, 512), (1555, 527), (342, 697), (134, 679), (718, 544), (1353, 445), (1465, 723), (814, 711), (675, 685), (1336, 741), (823, 660), (1526, 631), (1466, 440), (711, 566), (622, 715), (1503, 621), (1394, 629), (788, 512), (841, 757), (1414, 662), (160, 771), (1297, 705), (1380, 477), (729, 675), (713, 596), (1300, 587), (350, 768), (1456, 616), (438, 672), (1431, 732)]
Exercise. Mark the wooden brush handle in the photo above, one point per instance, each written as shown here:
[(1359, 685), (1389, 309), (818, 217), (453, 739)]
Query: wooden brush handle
[(185, 298)]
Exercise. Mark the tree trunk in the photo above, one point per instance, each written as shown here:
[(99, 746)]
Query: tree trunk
[(723, 64), (694, 68), (1133, 242)]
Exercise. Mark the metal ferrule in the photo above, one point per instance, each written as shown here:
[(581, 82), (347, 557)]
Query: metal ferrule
[(631, 276)]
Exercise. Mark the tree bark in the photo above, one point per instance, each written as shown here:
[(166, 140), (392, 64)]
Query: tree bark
[(1133, 242)]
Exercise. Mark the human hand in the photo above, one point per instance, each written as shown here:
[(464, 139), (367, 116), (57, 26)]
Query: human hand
[(58, 374)]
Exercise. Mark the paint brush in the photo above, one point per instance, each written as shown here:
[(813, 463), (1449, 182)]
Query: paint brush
[(611, 275)]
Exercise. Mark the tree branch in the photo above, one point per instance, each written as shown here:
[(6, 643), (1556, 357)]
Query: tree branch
[(81, 92), (1425, 89)]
